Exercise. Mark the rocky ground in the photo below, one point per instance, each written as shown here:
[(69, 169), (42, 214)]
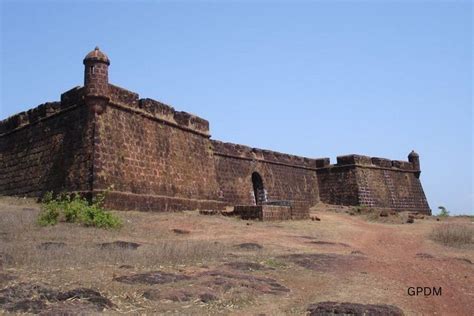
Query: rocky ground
[(187, 264)]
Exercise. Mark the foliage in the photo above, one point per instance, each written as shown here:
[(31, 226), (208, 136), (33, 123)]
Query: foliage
[(443, 212), (272, 262), (76, 209), (50, 210)]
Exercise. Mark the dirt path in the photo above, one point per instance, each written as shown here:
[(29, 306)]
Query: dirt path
[(392, 255)]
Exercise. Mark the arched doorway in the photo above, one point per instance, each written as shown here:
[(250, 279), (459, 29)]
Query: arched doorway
[(258, 189)]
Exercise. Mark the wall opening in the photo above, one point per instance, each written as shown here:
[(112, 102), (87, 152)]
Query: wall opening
[(258, 189)]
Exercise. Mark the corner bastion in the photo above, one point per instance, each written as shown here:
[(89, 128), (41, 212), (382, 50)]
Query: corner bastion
[(373, 182)]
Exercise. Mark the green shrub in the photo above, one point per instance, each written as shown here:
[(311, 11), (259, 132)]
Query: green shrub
[(96, 216), (76, 209), (50, 210)]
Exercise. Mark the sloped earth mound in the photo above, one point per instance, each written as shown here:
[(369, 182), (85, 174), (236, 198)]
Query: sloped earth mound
[(424, 255), (50, 245), (180, 295), (246, 266), (35, 298), (126, 266), (315, 241), (249, 246), (154, 277), (428, 256), (181, 231), (464, 260), (324, 262), (204, 286), (119, 244), (334, 308), (328, 243), (225, 281)]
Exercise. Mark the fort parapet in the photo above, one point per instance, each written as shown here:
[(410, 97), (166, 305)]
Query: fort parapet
[(154, 158), (372, 182)]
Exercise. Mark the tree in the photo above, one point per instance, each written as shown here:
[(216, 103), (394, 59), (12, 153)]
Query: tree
[(443, 212)]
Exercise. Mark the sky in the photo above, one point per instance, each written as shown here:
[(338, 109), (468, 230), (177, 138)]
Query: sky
[(311, 78)]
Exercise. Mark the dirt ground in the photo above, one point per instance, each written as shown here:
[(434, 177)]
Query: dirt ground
[(185, 263)]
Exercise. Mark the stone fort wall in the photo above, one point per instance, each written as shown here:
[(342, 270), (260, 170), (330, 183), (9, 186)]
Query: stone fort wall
[(145, 153), (285, 177), (47, 148), (151, 157), (156, 158), (372, 182)]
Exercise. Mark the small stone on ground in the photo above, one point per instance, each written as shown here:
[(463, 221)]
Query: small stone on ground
[(334, 308)]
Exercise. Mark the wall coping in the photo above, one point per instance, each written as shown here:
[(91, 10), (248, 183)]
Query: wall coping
[(350, 161), (156, 118), (242, 152), (69, 100), (119, 97), (157, 109)]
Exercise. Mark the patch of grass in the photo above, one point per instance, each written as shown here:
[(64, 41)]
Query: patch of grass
[(90, 255), (21, 238), (373, 215), (76, 209), (452, 234), (272, 262)]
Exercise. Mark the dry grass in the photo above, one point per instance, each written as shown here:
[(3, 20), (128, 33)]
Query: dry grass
[(374, 215), (82, 245), (170, 252), (212, 243), (453, 234), (396, 218)]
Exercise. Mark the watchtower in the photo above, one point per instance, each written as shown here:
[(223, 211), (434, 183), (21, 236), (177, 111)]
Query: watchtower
[(414, 159), (96, 78)]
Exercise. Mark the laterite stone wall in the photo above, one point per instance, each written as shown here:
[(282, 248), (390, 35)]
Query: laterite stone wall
[(154, 157), (285, 177), (47, 148), (338, 186), (263, 212), (397, 190), (372, 182), (151, 157)]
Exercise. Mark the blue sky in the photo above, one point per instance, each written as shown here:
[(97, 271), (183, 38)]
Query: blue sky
[(313, 78)]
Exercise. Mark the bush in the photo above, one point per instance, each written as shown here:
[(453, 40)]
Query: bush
[(75, 209), (49, 215), (453, 234)]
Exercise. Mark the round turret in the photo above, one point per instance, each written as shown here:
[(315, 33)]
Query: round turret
[(96, 56), (413, 154), (96, 73), (414, 159)]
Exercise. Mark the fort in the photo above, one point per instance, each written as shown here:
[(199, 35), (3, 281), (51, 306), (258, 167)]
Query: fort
[(155, 158)]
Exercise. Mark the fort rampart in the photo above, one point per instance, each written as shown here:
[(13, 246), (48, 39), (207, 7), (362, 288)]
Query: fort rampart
[(372, 182), (153, 158)]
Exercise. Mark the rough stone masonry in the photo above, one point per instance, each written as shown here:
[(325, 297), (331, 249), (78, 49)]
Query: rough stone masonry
[(155, 158)]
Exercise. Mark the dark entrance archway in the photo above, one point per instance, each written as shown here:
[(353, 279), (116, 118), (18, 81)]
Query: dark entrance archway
[(258, 188)]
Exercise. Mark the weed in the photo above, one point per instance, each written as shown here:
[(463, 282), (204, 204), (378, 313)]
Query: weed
[(271, 262), (76, 209)]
